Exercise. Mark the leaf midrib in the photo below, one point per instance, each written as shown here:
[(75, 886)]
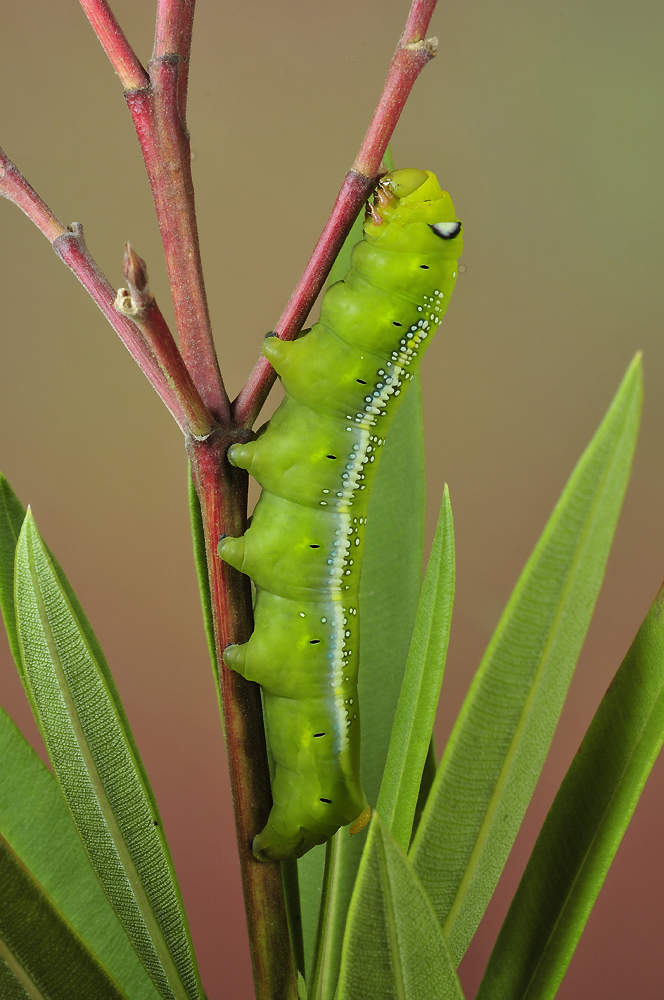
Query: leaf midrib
[(390, 919), (19, 971)]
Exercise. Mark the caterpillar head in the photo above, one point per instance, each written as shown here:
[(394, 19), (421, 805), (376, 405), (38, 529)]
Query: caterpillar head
[(411, 198)]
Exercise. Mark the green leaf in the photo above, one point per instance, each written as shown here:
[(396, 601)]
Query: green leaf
[(500, 740), (41, 956), (200, 561), (301, 987), (416, 710), (584, 827), (12, 514), (394, 945), (391, 577), (36, 824), (99, 770)]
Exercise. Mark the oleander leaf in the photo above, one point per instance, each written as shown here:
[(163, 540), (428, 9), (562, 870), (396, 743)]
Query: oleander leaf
[(99, 770), (416, 711), (500, 740), (200, 561), (37, 826), (584, 827), (389, 590), (12, 514), (394, 945), (41, 955)]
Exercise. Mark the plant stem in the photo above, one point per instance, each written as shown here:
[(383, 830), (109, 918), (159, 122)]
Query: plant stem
[(140, 306), (15, 188), (412, 54), (222, 492), (122, 57), (164, 140), (70, 247)]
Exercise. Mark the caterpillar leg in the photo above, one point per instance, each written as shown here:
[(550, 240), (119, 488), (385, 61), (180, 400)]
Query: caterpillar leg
[(242, 455), (231, 550), (235, 657)]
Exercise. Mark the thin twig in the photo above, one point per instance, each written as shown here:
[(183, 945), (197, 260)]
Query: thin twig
[(70, 246), (15, 188), (412, 54), (175, 20), (164, 142), (71, 249), (157, 104), (139, 305), (122, 57)]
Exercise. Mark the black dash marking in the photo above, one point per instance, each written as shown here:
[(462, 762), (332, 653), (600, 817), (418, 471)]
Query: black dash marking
[(156, 823), (394, 323), (327, 801), (313, 642), (361, 381), (314, 546), (319, 734), (334, 456), (425, 267)]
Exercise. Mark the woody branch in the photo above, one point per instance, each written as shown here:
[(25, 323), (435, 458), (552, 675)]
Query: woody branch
[(69, 244), (413, 52)]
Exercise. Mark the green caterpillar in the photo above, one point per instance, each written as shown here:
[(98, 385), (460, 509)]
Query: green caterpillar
[(316, 461)]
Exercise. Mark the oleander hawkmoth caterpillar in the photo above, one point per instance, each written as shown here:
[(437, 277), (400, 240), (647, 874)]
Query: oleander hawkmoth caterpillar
[(316, 460)]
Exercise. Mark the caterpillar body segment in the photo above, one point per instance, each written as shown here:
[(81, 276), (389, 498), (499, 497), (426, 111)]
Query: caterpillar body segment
[(316, 462)]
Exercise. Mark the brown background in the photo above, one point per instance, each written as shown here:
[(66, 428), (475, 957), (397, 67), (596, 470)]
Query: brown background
[(544, 120)]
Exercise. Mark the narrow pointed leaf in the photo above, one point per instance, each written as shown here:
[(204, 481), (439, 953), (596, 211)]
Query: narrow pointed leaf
[(499, 743), (200, 561), (416, 710), (584, 827), (391, 579), (99, 770), (394, 946), (37, 826), (12, 514), (40, 953)]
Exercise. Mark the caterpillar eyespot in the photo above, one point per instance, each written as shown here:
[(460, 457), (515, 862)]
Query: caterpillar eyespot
[(446, 230), (343, 379)]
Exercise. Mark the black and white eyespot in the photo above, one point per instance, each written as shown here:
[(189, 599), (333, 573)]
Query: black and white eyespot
[(446, 230)]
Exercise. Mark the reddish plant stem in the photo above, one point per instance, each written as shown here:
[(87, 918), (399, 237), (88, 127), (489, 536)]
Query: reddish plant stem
[(122, 57), (419, 19), (222, 491), (353, 194), (412, 54), (165, 145), (148, 318), (175, 21), (70, 248), (15, 188)]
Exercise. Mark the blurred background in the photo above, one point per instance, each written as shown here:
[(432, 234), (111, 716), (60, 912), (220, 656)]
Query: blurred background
[(544, 121)]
